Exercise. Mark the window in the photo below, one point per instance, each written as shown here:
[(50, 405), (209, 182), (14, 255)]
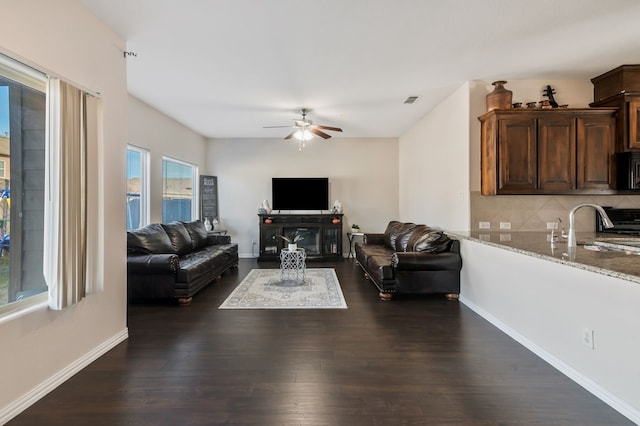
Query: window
[(179, 180), (137, 187), (23, 104)]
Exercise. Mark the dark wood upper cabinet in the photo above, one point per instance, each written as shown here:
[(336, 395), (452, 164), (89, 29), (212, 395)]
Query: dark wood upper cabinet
[(628, 120), (548, 151)]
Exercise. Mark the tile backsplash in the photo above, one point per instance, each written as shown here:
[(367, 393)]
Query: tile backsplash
[(532, 212)]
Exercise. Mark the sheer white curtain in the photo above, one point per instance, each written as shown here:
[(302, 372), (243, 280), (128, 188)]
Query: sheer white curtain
[(66, 245)]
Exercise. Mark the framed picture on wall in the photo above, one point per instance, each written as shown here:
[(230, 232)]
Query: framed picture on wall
[(208, 197)]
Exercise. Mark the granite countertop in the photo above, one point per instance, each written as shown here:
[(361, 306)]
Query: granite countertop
[(619, 264)]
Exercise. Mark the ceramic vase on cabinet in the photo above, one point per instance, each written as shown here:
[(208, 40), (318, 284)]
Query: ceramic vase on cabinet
[(499, 98)]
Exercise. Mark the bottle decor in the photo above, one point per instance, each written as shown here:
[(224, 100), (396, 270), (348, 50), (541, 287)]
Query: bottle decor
[(499, 98)]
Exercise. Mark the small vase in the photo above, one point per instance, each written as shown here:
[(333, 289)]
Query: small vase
[(293, 247), (499, 98), (207, 224)]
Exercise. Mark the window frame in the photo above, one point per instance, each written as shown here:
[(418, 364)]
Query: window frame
[(195, 185), (27, 76), (145, 211)]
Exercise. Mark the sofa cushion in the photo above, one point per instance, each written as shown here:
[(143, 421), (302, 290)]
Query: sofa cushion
[(150, 239), (394, 231), (197, 232), (432, 242), (200, 263), (179, 237), (416, 234)]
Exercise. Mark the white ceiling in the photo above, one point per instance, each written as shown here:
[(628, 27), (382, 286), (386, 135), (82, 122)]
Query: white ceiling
[(226, 68)]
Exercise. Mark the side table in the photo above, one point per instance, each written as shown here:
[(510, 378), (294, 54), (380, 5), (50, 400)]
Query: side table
[(350, 236), (292, 265)]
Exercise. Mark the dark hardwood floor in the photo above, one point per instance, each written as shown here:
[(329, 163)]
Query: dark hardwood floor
[(414, 360)]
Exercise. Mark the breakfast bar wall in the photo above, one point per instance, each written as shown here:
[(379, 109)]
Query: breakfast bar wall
[(321, 235)]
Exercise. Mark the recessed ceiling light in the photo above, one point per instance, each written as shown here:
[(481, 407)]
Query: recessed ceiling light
[(411, 99)]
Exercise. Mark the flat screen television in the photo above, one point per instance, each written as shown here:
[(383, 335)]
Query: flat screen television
[(300, 193)]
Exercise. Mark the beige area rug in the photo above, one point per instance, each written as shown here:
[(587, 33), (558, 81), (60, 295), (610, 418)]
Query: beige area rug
[(265, 289)]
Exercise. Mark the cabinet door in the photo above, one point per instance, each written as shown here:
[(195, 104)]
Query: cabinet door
[(270, 244), (556, 153), (596, 152), (517, 156), (634, 123)]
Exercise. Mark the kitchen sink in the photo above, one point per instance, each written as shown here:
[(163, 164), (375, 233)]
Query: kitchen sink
[(626, 244)]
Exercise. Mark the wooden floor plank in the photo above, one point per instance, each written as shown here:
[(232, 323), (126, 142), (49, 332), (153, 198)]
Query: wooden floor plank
[(411, 361)]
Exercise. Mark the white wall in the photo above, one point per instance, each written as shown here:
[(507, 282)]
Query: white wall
[(546, 306), (163, 136), (434, 166), (43, 347), (363, 175)]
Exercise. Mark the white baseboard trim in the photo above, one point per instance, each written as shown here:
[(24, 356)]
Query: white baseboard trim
[(607, 397), (35, 394)]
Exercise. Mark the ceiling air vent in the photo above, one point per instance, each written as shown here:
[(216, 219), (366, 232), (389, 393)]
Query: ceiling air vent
[(410, 99)]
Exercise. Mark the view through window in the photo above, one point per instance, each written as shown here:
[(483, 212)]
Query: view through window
[(137, 189), (178, 190), (22, 154)]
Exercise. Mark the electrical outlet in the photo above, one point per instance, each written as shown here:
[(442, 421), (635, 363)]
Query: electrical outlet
[(505, 237), (484, 237), (552, 225), (587, 338), (485, 225), (505, 225)]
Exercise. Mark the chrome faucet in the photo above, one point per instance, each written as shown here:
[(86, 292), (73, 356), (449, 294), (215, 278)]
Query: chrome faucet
[(571, 241)]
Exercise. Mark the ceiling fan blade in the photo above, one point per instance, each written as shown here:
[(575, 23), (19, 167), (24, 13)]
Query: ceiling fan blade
[(335, 129), (290, 135), (320, 133)]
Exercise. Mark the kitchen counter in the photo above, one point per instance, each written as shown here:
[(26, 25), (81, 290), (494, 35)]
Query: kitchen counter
[(617, 264)]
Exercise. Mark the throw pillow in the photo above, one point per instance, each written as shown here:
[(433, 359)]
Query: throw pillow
[(150, 239), (180, 239), (198, 233)]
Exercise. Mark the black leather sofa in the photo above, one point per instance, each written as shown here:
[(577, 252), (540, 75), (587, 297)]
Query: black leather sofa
[(412, 259), (175, 260)]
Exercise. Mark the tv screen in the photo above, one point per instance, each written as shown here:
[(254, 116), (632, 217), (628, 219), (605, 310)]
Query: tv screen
[(300, 193)]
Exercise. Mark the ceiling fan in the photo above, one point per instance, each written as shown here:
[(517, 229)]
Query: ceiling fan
[(305, 129)]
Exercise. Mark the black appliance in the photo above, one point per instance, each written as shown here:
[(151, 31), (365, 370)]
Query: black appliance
[(300, 193), (625, 221), (628, 167)]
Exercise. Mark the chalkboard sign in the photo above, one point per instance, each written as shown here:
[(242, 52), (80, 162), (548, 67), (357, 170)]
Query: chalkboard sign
[(208, 197)]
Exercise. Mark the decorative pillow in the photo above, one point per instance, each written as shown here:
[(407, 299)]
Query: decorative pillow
[(150, 239), (180, 239), (197, 232), (432, 242)]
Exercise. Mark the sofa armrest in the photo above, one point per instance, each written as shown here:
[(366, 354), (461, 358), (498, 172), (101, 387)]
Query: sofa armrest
[(373, 239), (215, 240), (152, 263), (417, 261)]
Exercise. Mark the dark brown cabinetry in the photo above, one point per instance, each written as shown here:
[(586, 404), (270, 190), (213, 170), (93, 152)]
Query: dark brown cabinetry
[(321, 233), (555, 151), (628, 121)]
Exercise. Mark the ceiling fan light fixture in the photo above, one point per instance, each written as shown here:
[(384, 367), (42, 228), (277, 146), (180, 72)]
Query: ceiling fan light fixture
[(303, 135)]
